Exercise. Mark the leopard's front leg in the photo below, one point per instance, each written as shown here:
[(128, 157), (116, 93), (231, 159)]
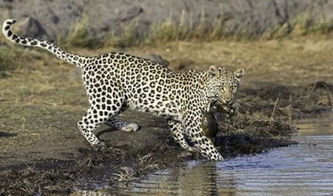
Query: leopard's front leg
[(192, 123), (178, 134)]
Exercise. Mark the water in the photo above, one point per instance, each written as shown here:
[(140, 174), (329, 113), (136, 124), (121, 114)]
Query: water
[(302, 169)]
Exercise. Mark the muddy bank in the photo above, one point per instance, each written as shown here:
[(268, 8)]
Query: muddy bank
[(262, 123)]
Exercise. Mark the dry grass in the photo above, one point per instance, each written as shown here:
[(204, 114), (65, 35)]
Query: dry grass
[(167, 31), (15, 57), (7, 57), (297, 60), (286, 61), (294, 60), (78, 36), (7, 61), (304, 25)]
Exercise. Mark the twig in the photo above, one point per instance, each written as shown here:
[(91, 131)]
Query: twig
[(328, 95), (275, 104)]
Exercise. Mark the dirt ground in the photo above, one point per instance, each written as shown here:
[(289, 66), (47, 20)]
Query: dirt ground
[(40, 102)]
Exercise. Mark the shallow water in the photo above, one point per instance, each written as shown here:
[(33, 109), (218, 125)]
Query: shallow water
[(302, 169)]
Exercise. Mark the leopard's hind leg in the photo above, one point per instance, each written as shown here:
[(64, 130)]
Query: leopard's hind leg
[(98, 113)]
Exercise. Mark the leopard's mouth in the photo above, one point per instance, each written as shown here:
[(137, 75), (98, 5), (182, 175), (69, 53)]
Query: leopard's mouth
[(219, 105), (222, 102)]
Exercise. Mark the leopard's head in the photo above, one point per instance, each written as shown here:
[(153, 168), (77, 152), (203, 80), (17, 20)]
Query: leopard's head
[(223, 85)]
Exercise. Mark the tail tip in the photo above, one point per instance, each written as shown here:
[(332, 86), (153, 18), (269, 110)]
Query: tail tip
[(10, 21)]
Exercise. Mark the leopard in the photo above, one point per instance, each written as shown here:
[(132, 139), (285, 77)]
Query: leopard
[(117, 81)]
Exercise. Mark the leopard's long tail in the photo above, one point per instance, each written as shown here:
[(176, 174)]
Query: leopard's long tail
[(75, 59)]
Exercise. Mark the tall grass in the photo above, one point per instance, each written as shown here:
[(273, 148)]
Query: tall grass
[(204, 30), (303, 25), (300, 25), (128, 37), (79, 36)]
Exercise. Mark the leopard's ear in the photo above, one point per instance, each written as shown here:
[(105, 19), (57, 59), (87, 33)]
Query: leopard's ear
[(213, 71), (239, 73)]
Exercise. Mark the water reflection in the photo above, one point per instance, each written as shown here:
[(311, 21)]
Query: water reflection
[(196, 179), (303, 169)]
